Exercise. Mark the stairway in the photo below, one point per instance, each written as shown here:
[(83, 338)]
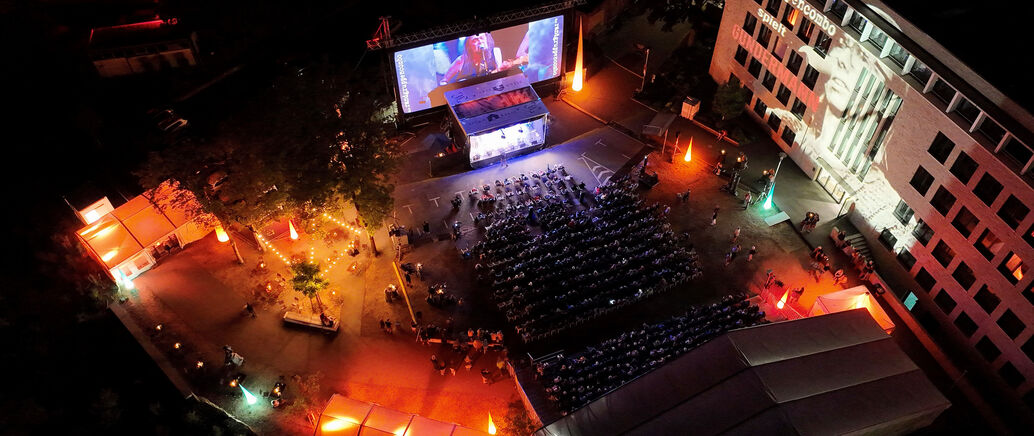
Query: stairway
[(858, 242)]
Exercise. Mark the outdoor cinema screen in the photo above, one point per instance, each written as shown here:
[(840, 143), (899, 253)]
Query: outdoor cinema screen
[(425, 72)]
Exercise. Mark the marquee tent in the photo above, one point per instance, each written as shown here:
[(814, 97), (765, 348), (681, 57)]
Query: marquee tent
[(346, 416), (855, 298), (128, 239), (832, 374)]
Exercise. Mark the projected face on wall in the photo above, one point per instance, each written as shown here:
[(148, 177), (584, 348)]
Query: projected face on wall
[(424, 72)]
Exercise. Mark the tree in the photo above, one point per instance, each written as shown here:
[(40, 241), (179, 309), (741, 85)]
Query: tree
[(730, 98), (308, 281), (309, 395)]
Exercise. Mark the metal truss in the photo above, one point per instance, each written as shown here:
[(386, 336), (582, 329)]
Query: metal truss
[(384, 41)]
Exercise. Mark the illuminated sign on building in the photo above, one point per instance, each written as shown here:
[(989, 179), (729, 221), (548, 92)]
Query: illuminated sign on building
[(776, 67), (816, 16), (772, 22)]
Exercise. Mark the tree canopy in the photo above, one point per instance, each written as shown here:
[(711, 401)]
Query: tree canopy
[(730, 99), (318, 137)]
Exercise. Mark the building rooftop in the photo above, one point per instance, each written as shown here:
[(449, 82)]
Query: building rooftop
[(988, 36), (146, 32)]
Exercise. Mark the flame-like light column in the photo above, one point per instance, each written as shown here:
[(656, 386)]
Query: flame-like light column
[(579, 69)]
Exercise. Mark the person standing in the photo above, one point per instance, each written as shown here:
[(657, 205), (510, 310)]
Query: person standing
[(728, 258), (251, 310), (735, 234), (486, 376), (714, 216), (746, 200), (409, 279), (427, 227), (752, 252)]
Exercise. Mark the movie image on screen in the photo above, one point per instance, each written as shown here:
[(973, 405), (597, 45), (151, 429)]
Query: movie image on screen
[(535, 47)]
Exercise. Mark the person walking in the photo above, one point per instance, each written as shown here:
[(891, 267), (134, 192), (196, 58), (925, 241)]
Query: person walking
[(249, 309), (746, 200), (735, 234), (486, 376), (728, 258), (714, 216), (409, 279), (752, 252), (427, 227)]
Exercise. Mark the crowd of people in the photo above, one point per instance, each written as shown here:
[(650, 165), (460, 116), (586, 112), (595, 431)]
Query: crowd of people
[(576, 380), (583, 264)]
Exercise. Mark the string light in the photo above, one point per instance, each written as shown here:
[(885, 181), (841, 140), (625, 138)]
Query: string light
[(351, 228), (273, 249)]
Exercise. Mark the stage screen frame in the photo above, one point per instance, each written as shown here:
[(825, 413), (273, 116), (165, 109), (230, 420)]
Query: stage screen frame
[(424, 72)]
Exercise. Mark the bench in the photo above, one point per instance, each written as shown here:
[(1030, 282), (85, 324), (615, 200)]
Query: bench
[(309, 321)]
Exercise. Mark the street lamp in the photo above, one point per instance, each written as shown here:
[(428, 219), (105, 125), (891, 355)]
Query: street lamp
[(771, 190)]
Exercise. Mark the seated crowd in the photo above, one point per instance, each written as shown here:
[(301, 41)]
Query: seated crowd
[(576, 380), (584, 264)]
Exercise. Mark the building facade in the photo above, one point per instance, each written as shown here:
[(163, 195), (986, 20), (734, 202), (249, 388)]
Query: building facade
[(141, 47), (923, 151)]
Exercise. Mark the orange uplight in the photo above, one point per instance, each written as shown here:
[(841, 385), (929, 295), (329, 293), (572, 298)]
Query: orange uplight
[(576, 84), (337, 424), (689, 151), (107, 256), (861, 301), (1018, 273), (290, 227), (220, 234), (91, 216), (491, 425), (794, 15), (782, 301)]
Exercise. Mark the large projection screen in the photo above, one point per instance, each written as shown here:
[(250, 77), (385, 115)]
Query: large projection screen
[(422, 72)]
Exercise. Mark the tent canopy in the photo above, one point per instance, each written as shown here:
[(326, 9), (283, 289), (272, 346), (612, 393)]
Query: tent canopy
[(496, 103), (857, 297), (831, 374), (346, 416)]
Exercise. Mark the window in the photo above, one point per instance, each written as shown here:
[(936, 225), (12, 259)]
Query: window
[(773, 7), (838, 8), (898, 54), (754, 68), (822, 43), (1029, 293), (788, 135), (806, 30), (1011, 375), (925, 280), (741, 55), (941, 147), (991, 130), (773, 122), (921, 72), (794, 64), (811, 76), (1013, 211), (922, 232), (888, 239), (987, 189), (945, 302), (791, 16), (988, 244), (902, 212), (784, 94), (965, 222), (779, 49), (1013, 268), (987, 299), (798, 109), (942, 201), (764, 36), (966, 325), (857, 22), (1016, 151), (921, 181), (769, 80), (760, 108), (943, 91), (943, 253), (877, 38), (1029, 236), (964, 167), (1011, 324), (967, 110), (988, 349), (906, 258), (964, 275), (749, 24)]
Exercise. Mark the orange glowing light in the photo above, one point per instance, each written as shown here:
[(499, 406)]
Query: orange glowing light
[(200, 364), (177, 345), (290, 227), (689, 151), (107, 256), (794, 15), (576, 84), (233, 383), (92, 216), (782, 301), (337, 424), (1018, 273), (220, 234), (491, 425)]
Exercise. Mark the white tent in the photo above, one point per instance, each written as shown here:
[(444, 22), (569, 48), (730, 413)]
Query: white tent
[(857, 297), (832, 374)]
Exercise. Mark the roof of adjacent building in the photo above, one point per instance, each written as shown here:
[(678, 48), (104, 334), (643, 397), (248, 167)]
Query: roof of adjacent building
[(145, 32), (496, 103), (830, 374), (988, 36)]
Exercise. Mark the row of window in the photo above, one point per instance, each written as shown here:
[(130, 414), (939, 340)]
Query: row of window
[(773, 122), (768, 80)]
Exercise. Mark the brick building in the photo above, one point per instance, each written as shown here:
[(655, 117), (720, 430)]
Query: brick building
[(925, 153)]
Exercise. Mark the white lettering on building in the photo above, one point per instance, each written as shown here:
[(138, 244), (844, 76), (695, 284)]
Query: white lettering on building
[(556, 46), (814, 15), (403, 82), (772, 22)]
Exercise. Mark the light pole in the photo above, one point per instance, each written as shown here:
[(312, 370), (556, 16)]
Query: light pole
[(771, 190), (645, 64)]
